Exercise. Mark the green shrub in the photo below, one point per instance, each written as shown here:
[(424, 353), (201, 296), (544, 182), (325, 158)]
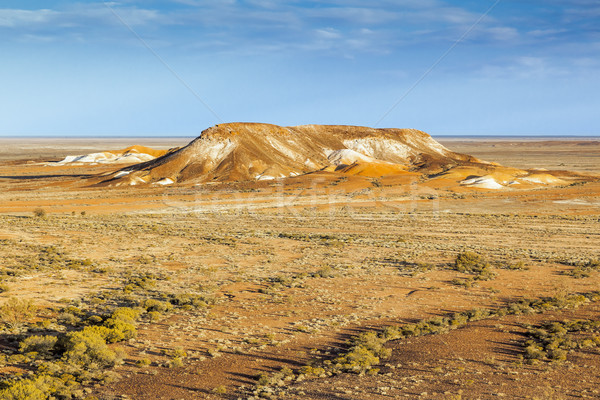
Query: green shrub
[(157, 305), (39, 387), (43, 345), (325, 272), (143, 281), (94, 320), (579, 273), (534, 352), (468, 262), (39, 213), (16, 312), (178, 352), (190, 299), (110, 334), (119, 330), (126, 314), (464, 282), (71, 358), (176, 362), (220, 390), (552, 341), (28, 389), (144, 362), (263, 379), (392, 333), (88, 349), (153, 316), (518, 266), (24, 390), (120, 326), (367, 348), (583, 269), (67, 318), (472, 263)]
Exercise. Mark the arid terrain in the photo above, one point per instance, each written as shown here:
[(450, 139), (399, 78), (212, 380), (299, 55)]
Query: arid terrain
[(469, 271)]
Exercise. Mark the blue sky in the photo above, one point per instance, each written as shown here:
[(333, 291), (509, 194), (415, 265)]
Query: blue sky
[(75, 68)]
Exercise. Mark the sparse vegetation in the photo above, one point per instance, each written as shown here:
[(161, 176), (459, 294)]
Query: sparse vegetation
[(413, 268), (15, 313), (44, 346), (474, 264), (39, 213), (553, 341), (367, 350), (277, 293), (514, 266), (143, 363), (582, 269)]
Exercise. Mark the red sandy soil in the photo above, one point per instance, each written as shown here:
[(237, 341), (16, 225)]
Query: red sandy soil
[(232, 239)]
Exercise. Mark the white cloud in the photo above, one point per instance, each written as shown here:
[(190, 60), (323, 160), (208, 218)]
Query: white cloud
[(328, 33), (542, 33), (254, 26), (526, 67), (38, 38), (12, 18), (90, 15), (584, 11), (587, 63), (503, 33), (451, 15)]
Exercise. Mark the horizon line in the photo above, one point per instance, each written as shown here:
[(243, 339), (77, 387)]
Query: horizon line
[(150, 136)]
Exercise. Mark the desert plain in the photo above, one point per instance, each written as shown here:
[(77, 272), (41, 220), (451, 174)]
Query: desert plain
[(331, 284)]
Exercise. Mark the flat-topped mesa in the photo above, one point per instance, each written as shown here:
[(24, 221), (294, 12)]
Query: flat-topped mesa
[(255, 151)]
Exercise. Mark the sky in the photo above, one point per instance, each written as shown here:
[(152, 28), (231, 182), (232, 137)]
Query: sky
[(175, 68)]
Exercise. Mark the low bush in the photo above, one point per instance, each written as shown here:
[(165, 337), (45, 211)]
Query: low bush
[(552, 341), (143, 363), (473, 263), (583, 269), (157, 305), (192, 300), (366, 350), (39, 213), (324, 272), (517, 266), (87, 349), (43, 345), (15, 313), (412, 268), (41, 387), (121, 324)]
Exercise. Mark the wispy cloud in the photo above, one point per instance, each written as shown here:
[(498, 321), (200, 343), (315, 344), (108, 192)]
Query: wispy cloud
[(86, 16), (11, 18), (526, 67), (345, 28), (291, 49), (260, 23)]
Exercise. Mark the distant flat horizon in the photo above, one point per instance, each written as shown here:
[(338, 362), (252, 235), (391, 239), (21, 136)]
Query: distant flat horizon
[(167, 137)]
